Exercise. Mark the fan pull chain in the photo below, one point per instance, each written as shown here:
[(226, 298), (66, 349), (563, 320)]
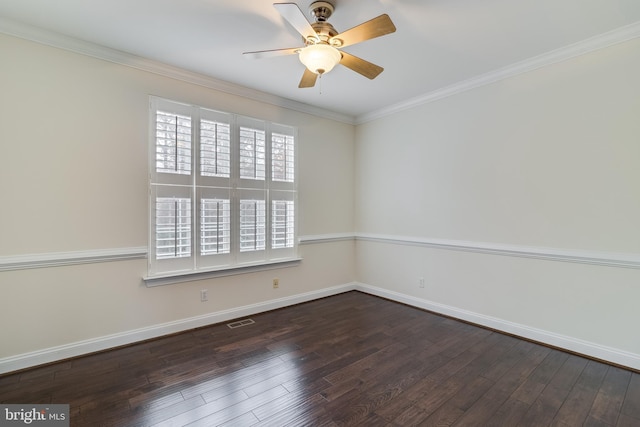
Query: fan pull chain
[(320, 83)]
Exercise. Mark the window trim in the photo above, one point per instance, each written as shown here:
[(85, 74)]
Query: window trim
[(181, 277)]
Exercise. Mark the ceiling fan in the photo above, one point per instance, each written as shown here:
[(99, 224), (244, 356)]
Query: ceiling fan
[(322, 42)]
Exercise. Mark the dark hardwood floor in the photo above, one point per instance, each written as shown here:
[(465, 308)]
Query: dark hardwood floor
[(351, 359)]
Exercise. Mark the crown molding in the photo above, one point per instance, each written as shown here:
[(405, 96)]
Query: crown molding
[(601, 41), (60, 41)]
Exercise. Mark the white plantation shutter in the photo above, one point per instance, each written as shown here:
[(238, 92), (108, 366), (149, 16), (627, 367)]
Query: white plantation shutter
[(215, 149), (282, 157), (253, 223), (173, 143), (282, 223), (222, 190), (215, 241), (173, 227), (215, 226), (252, 153), (282, 193)]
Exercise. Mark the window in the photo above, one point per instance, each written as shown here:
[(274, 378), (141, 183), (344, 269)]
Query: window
[(222, 190)]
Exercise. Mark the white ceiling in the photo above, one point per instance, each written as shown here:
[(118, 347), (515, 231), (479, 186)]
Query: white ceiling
[(437, 43)]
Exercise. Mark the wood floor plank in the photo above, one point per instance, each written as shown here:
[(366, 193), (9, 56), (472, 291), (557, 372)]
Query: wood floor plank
[(389, 387), (225, 412), (512, 410), (306, 412), (509, 379), (367, 366), (289, 375), (153, 401), (594, 422), (631, 405), (531, 388), (246, 419), (627, 421), (578, 403), (608, 402), (427, 399), (347, 360), (508, 414), (545, 407), (431, 392), (235, 379), (458, 404)]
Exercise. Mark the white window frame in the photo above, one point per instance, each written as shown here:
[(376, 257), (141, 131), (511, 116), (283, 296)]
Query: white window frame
[(265, 187)]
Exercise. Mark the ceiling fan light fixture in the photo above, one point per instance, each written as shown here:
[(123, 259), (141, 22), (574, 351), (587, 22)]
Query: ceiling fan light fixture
[(320, 58), (320, 52)]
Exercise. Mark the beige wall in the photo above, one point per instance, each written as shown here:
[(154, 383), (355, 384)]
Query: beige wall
[(545, 161), (548, 158), (74, 178)]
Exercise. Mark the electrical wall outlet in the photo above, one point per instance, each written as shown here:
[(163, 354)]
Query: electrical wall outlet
[(204, 295), (276, 283), (421, 282)]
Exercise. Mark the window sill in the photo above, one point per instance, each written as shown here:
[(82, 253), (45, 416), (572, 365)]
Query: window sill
[(179, 277)]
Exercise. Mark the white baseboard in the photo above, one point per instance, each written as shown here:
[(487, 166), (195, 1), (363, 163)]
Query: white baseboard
[(53, 354), (590, 349)]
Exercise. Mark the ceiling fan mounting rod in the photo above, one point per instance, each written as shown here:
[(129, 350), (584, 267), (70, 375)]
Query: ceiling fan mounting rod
[(321, 10)]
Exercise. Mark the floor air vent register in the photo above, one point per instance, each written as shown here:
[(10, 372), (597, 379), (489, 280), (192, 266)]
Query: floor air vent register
[(240, 323)]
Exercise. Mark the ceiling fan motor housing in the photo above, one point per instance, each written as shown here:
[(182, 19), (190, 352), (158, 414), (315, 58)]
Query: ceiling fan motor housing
[(321, 11), (325, 31)]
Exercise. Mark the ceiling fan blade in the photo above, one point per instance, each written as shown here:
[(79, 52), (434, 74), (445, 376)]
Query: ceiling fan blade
[(294, 16), (271, 53), (308, 79), (360, 66), (367, 30)]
